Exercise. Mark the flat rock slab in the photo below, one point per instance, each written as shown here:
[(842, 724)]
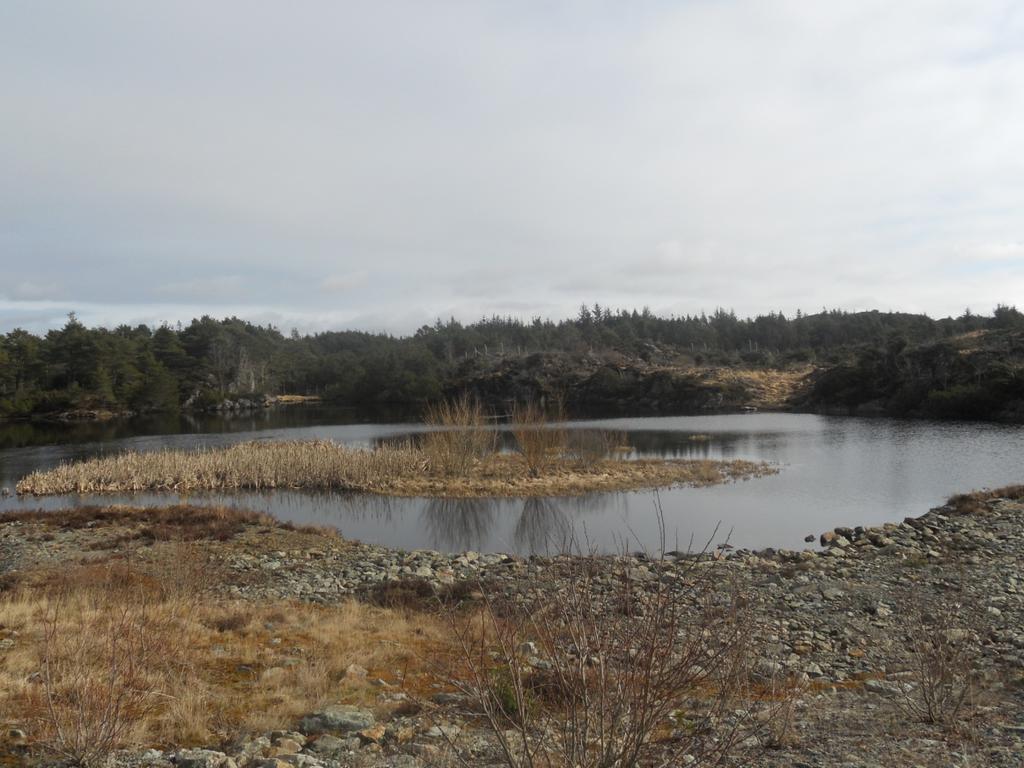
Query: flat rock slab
[(338, 718)]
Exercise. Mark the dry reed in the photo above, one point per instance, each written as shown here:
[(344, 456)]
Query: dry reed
[(250, 466)]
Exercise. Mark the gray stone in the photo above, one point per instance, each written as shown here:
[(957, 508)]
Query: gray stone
[(301, 761), (331, 746), (202, 758), (337, 718), (447, 698)]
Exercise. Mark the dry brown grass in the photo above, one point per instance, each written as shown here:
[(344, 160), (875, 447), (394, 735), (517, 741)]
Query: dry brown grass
[(397, 470), (190, 671)]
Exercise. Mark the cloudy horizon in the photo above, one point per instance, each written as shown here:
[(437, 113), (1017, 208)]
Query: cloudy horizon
[(376, 166)]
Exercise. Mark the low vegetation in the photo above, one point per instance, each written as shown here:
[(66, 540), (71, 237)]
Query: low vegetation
[(178, 522), (133, 627)]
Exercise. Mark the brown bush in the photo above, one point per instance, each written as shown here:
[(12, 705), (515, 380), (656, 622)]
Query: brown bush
[(414, 593), (540, 440), (587, 448), (461, 435), (404, 469)]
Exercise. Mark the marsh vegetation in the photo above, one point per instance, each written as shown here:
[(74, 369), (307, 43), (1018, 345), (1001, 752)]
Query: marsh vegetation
[(397, 470), (458, 456)]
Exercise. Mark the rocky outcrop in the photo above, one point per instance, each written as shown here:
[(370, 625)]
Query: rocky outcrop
[(619, 385)]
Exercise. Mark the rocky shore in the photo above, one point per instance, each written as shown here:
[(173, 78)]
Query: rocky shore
[(839, 620)]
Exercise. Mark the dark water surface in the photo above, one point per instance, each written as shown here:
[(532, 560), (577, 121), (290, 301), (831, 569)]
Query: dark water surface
[(834, 471)]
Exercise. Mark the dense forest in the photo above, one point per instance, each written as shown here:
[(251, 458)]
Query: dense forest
[(872, 356)]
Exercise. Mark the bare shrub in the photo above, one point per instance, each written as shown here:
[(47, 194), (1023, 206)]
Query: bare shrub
[(588, 448), (943, 682), (782, 696), (100, 656), (597, 670), (540, 440), (461, 436)]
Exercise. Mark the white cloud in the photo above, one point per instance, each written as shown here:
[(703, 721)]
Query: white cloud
[(344, 283), (216, 288), (470, 158), (30, 291)]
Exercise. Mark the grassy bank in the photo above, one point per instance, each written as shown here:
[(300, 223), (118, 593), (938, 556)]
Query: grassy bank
[(401, 470)]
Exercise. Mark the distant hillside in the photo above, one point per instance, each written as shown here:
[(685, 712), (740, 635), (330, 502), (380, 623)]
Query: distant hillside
[(600, 361)]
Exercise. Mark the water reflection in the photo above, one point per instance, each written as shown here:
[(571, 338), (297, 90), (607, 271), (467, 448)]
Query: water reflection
[(24, 434), (458, 524), (540, 524), (543, 526)]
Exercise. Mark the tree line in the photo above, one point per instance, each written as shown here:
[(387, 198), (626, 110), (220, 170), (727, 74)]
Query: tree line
[(146, 369)]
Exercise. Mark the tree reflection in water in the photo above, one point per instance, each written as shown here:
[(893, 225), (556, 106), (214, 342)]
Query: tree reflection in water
[(543, 527), (543, 524), (353, 506), (459, 524)]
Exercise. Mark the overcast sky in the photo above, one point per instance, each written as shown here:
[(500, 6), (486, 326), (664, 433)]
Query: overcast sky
[(379, 164)]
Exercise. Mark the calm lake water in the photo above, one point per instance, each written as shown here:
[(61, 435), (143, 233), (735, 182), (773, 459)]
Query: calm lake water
[(834, 471)]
